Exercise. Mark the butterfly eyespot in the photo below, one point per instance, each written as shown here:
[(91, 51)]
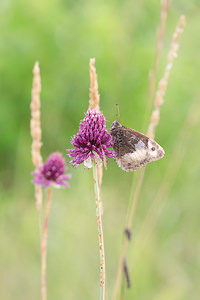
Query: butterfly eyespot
[(153, 149)]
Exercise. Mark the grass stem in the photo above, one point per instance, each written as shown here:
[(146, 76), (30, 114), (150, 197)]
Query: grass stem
[(159, 99), (126, 240)]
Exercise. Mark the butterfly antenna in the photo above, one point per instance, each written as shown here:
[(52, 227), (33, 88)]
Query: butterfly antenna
[(118, 114)]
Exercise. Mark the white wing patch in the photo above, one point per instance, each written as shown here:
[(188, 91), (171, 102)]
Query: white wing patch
[(140, 145), (132, 161), (141, 156)]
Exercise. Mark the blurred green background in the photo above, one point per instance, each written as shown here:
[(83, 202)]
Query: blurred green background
[(163, 260)]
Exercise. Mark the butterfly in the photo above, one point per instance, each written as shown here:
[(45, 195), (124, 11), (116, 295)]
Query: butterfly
[(134, 149)]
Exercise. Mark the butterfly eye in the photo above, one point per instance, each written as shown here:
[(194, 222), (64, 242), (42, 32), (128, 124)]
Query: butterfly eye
[(153, 149)]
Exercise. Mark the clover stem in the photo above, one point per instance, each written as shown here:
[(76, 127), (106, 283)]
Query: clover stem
[(100, 233), (44, 245)]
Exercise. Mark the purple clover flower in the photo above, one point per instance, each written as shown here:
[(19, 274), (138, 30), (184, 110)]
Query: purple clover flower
[(92, 141), (52, 172)]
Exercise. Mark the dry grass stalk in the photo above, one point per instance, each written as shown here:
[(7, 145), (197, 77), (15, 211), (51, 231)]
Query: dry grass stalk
[(35, 117), (163, 82), (165, 4), (94, 94), (36, 129), (94, 103), (151, 131), (94, 99)]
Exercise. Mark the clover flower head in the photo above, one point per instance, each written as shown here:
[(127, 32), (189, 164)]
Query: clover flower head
[(52, 172), (92, 141)]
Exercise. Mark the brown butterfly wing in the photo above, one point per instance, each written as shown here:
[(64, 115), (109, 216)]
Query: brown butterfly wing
[(134, 149), (127, 139)]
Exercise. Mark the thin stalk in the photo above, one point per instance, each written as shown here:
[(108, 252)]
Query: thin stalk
[(165, 5), (38, 196), (100, 233), (151, 133), (129, 226), (44, 245)]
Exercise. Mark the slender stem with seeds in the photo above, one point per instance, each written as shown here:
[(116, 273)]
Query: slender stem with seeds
[(100, 233), (44, 245), (165, 5), (94, 94), (159, 44), (36, 133), (94, 104), (162, 86), (151, 132)]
